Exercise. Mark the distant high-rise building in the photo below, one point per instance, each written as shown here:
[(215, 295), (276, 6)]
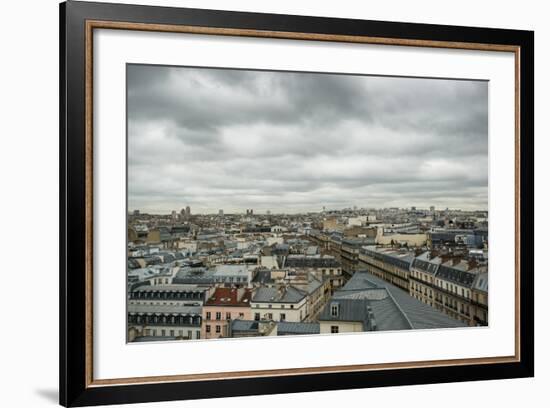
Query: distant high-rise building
[(249, 212), (432, 209), (136, 212), (188, 211), (220, 213), (174, 216), (413, 208), (268, 212)]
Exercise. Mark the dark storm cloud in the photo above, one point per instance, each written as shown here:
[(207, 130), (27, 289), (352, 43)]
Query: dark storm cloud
[(234, 139)]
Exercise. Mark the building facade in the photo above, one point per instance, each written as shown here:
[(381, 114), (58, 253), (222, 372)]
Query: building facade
[(225, 305), (388, 264), (283, 303), (161, 321), (451, 286)]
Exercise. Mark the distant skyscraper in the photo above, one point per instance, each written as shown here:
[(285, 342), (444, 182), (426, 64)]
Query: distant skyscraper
[(220, 213), (268, 212), (188, 211), (136, 212), (432, 209), (174, 216)]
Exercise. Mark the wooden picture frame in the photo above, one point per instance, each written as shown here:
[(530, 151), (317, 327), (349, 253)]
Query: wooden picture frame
[(78, 20)]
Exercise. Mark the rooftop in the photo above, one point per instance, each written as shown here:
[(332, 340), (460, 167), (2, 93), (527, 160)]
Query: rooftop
[(391, 308), (302, 261), (230, 297), (163, 308), (178, 287), (291, 328), (284, 294)]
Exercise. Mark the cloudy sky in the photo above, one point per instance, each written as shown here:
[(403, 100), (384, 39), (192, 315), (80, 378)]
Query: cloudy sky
[(292, 142)]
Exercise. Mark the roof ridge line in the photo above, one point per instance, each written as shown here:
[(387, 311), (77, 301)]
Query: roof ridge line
[(399, 308)]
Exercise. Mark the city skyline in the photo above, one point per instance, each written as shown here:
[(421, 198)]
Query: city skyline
[(294, 142), (321, 211)]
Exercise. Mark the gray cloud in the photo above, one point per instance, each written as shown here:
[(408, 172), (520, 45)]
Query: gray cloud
[(235, 139)]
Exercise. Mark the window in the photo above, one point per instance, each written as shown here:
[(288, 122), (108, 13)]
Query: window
[(256, 316), (208, 315), (241, 315), (334, 329), (198, 335), (334, 310), (218, 328), (283, 317), (270, 306), (292, 306), (171, 333), (228, 316), (163, 332), (189, 334), (218, 315), (282, 306), (270, 316), (207, 328)]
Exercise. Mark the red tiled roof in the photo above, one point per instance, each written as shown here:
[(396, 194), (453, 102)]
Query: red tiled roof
[(230, 297)]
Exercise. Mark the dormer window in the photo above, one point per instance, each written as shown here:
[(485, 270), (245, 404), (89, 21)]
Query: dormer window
[(334, 309)]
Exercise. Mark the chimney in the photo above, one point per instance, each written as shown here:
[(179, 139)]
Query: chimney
[(240, 293)]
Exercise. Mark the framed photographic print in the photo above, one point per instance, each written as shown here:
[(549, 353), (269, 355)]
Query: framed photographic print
[(257, 203)]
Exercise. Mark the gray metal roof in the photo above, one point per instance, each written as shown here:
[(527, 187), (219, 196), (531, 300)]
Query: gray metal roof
[(290, 328), (177, 287), (301, 261), (143, 339), (349, 310), (164, 308), (481, 282), (426, 264), (419, 314), (239, 325), (391, 308), (288, 294), (456, 275), (263, 276)]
